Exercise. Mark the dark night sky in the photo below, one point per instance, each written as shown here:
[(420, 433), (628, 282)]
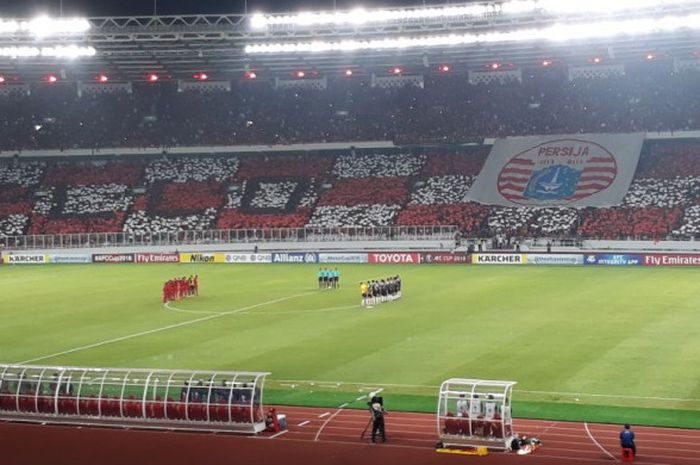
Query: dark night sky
[(25, 8)]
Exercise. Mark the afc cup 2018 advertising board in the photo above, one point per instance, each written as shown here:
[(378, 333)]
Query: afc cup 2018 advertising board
[(444, 258)]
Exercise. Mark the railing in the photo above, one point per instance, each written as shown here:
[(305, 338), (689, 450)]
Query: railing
[(229, 236)]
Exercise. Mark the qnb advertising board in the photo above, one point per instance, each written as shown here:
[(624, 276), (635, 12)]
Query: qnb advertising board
[(499, 259), (583, 170), (248, 258)]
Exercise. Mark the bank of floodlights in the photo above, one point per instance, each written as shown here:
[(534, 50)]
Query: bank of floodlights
[(560, 32), (43, 26), (62, 51), (360, 16)]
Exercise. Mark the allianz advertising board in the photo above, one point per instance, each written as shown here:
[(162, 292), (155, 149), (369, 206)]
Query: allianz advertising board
[(614, 259), (295, 257)]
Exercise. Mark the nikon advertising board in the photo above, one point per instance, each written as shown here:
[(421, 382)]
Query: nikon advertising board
[(499, 259), (202, 258)]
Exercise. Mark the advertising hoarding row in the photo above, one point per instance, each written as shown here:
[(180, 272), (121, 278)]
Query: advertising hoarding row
[(599, 259)]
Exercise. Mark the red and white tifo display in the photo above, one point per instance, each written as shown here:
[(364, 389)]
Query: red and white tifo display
[(153, 398)]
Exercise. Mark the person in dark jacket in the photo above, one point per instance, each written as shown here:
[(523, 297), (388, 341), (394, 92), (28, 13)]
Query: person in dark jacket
[(627, 439)]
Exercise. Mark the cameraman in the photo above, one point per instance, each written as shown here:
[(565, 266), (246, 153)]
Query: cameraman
[(376, 407)]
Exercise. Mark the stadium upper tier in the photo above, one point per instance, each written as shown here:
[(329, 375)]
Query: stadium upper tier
[(173, 194), (446, 110)]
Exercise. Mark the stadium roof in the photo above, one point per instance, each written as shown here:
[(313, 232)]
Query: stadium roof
[(177, 47)]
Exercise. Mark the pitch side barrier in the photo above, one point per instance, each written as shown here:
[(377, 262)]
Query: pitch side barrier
[(225, 401), (380, 257)]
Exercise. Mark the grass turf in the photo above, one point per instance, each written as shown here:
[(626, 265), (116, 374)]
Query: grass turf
[(593, 343)]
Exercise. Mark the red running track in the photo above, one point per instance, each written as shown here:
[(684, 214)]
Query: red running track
[(332, 436)]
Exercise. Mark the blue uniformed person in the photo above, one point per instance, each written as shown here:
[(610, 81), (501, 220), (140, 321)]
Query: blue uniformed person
[(627, 439)]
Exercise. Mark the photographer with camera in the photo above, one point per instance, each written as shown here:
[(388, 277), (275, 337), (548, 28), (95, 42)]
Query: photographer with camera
[(376, 408)]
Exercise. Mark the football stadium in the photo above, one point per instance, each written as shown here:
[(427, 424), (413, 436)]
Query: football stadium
[(307, 232)]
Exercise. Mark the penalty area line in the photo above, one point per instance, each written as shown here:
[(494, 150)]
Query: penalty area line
[(157, 330)]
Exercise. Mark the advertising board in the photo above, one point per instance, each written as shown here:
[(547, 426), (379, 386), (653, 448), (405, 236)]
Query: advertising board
[(70, 258), (394, 257), (157, 258), (113, 258), (499, 259), (295, 257), (614, 259), (554, 259), (671, 259), (444, 257), (248, 258), (342, 258), (25, 259), (202, 258)]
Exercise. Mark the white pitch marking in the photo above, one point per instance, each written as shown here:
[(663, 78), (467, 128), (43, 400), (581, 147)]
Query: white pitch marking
[(325, 414), (157, 330), (585, 425), (343, 405), (279, 434), (304, 423)]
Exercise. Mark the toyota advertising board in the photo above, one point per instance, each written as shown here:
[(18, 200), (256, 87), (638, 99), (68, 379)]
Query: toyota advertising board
[(444, 257), (614, 259), (113, 258), (394, 257), (499, 259), (248, 258), (342, 258), (295, 257), (554, 259), (671, 259), (26, 259), (157, 258)]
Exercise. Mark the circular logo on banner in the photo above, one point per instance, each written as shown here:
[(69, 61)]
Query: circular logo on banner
[(557, 172)]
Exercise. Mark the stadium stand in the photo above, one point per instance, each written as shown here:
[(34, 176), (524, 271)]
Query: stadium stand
[(367, 189)]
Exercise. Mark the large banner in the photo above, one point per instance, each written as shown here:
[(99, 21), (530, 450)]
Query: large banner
[(583, 170)]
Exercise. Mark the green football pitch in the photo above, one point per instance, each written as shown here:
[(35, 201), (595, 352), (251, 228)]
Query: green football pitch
[(596, 343)]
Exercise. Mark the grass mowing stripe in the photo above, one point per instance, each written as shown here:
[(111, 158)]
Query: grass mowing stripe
[(157, 330)]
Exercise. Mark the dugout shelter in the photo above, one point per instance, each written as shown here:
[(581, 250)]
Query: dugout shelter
[(475, 413), (224, 401)]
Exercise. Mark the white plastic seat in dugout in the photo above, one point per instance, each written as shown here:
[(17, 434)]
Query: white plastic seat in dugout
[(223, 401), (475, 413)]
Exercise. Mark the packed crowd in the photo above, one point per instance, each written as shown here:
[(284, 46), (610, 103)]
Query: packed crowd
[(446, 109), (175, 194)]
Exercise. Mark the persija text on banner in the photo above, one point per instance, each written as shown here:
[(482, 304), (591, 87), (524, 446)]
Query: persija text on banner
[(582, 170)]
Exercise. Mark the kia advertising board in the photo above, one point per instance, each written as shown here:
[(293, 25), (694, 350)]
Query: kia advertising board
[(248, 258), (394, 257), (26, 259), (671, 259), (554, 259), (295, 257), (113, 258), (444, 257), (614, 259), (342, 258), (499, 259)]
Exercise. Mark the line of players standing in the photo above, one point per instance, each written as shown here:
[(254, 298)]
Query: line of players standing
[(328, 279), (179, 288), (383, 290)]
